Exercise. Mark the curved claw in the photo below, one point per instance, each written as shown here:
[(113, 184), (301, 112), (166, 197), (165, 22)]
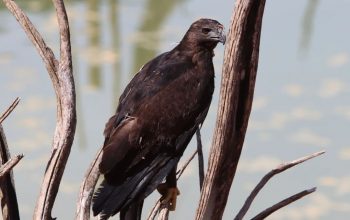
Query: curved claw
[(169, 195)]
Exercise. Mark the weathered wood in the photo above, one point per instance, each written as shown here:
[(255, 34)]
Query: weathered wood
[(236, 95), (9, 205), (87, 189), (9, 110), (283, 203), (7, 167), (267, 177), (61, 74), (66, 120)]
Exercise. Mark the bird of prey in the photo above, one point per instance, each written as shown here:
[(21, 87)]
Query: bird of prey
[(158, 113)]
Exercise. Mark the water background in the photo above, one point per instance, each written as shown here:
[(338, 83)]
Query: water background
[(301, 104)]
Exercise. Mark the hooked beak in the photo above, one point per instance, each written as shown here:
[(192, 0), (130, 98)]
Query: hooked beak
[(218, 35), (222, 37)]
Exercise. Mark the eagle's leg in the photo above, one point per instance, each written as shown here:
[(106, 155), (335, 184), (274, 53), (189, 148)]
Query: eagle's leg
[(169, 191)]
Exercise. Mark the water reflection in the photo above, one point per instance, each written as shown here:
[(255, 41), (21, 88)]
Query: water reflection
[(308, 25), (155, 15), (94, 40), (115, 36)]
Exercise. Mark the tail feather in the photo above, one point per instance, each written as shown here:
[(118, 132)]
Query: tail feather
[(110, 199)]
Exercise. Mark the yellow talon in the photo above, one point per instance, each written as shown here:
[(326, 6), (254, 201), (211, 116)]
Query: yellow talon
[(169, 195)]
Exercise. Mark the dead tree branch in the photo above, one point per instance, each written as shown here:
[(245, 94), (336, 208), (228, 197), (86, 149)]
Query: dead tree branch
[(9, 110), (283, 203), (236, 95), (61, 74), (87, 189), (267, 177), (7, 167), (33, 34), (8, 196)]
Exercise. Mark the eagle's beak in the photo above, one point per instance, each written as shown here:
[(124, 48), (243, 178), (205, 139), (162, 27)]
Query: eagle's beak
[(222, 37)]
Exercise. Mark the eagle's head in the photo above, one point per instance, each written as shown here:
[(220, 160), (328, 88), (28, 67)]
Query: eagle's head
[(206, 32)]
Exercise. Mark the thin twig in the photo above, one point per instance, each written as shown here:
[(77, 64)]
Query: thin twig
[(282, 204), (155, 210), (267, 177), (7, 167), (200, 158), (9, 110), (180, 171)]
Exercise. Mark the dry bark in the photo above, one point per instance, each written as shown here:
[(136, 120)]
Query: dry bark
[(11, 163), (236, 95), (9, 205), (87, 189), (61, 75), (8, 195)]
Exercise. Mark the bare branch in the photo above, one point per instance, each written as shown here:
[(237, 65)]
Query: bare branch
[(183, 168), (9, 110), (200, 158), (87, 189), (34, 35), (66, 120), (8, 196), (267, 177), (164, 212), (155, 210), (236, 96), (7, 167), (283, 203)]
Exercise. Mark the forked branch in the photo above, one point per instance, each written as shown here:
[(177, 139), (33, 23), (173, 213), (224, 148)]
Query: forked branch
[(283, 203), (267, 177), (61, 74)]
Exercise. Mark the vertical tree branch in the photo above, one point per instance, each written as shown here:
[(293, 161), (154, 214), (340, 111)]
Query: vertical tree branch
[(61, 74), (236, 95), (66, 120)]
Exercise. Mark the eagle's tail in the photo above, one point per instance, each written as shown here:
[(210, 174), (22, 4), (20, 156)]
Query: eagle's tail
[(106, 201)]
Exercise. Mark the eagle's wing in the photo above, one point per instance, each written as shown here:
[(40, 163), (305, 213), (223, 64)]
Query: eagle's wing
[(132, 172), (122, 131)]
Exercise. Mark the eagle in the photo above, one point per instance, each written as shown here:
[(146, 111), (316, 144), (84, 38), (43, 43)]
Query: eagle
[(157, 115)]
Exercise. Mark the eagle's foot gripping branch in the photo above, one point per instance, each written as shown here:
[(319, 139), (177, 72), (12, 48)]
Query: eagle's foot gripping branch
[(169, 195)]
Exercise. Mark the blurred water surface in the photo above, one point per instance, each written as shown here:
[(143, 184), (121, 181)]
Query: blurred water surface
[(301, 102)]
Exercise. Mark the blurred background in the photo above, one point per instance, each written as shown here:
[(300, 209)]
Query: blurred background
[(301, 103)]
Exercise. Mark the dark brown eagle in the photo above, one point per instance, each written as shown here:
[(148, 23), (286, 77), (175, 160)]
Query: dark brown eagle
[(158, 113)]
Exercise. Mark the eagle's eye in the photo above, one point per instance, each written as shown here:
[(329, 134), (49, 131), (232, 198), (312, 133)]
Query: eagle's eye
[(206, 30)]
